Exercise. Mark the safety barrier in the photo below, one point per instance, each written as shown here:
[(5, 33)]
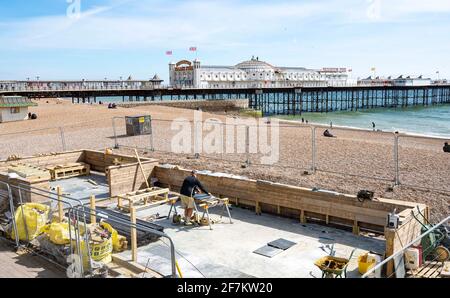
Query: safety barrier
[(76, 212), (400, 159)]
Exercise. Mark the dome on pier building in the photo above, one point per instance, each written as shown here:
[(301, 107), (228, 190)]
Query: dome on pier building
[(255, 65)]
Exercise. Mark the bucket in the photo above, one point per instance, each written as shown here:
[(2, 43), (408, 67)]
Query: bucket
[(365, 263), (100, 252)]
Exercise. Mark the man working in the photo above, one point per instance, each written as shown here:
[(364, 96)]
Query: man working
[(191, 185)]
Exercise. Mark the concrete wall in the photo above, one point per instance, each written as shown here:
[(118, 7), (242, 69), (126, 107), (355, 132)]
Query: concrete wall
[(7, 116), (206, 105)]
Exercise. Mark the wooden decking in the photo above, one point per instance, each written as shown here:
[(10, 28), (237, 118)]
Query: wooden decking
[(428, 270), (14, 265)]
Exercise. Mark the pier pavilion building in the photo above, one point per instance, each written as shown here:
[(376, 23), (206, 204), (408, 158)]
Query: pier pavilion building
[(253, 73)]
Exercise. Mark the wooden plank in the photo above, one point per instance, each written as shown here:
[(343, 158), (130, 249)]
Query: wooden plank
[(92, 205), (133, 235), (142, 169), (302, 216), (134, 267), (60, 204), (126, 178)]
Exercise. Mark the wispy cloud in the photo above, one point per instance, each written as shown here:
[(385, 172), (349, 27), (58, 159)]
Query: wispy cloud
[(223, 23), (293, 32), (207, 23)]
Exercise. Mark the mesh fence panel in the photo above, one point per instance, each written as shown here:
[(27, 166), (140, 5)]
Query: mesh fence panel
[(423, 163), (356, 153), (27, 143), (96, 135)]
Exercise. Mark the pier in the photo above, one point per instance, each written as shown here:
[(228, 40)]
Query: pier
[(324, 100), (271, 101)]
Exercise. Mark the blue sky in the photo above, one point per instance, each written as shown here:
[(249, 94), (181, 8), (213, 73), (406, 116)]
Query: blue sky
[(114, 38)]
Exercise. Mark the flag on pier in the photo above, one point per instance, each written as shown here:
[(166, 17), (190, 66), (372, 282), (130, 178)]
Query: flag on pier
[(193, 49), (169, 53)]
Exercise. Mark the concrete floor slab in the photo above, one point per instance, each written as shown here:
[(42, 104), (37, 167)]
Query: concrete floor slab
[(227, 250), (79, 187)]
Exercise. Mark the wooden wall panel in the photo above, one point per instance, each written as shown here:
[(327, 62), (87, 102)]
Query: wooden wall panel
[(127, 178), (316, 204), (46, 160), (100, 161)]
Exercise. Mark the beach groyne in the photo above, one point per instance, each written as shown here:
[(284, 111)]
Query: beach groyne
[(206, 105)]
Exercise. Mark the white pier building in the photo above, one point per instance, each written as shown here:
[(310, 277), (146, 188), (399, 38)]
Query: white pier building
[(253, 73)]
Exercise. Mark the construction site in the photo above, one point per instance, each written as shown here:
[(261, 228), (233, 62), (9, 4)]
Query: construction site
[(91, 213)]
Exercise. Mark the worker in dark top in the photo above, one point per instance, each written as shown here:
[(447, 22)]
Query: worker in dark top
[(446, 147), (191, 185)]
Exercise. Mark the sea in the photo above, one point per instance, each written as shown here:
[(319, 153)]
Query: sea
[(419, 120)]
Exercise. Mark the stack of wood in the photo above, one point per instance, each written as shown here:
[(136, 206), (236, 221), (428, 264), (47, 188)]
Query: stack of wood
[(29, 172)]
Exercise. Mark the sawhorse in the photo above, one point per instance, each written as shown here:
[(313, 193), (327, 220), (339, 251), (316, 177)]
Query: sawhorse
[(210, 203)]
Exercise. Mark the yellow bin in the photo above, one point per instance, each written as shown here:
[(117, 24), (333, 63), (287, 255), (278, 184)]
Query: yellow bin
[(365, 263)]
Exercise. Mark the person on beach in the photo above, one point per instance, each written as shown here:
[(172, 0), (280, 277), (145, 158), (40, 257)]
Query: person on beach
[(328, 134), (303, 120), (446, 147), (373, 126), (331, 124)]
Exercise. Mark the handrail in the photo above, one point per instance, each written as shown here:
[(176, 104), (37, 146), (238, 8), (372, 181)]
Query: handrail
[(380, 265)]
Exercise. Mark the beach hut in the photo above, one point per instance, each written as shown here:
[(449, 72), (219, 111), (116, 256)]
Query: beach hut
[(14, 108)]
